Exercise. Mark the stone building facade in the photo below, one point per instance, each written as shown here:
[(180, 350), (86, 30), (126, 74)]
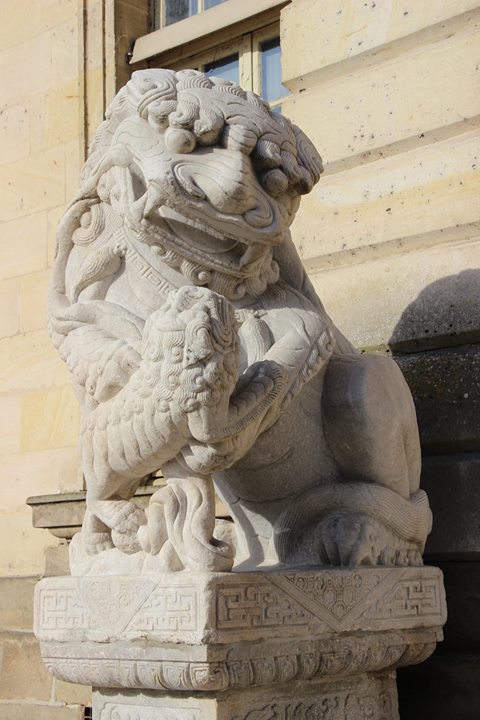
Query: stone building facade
[(387, 91)]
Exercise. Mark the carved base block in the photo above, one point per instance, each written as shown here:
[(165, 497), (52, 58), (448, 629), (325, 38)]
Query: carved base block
[(218, 645), (363, 697)]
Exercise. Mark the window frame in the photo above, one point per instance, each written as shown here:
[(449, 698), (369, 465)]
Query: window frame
[(159, 12), (248, 47), (270, 32), (206, 29), (198, 61)]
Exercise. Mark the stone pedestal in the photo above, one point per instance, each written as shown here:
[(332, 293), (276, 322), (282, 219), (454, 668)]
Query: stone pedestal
[(231, 646)]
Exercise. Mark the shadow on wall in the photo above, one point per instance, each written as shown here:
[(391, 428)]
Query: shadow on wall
[(436, 343), (446, 313)]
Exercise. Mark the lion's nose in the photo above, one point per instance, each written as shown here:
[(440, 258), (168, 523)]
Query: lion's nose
[(227, 186)]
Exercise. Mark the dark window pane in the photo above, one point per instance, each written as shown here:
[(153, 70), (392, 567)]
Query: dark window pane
[(226, 67), (271, 68), (176, 10), (212, 3)]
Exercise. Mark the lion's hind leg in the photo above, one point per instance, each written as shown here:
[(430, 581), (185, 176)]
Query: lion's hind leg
[(370, 423)]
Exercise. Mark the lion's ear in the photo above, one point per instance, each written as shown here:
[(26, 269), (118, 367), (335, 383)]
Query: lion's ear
[(198, 345)]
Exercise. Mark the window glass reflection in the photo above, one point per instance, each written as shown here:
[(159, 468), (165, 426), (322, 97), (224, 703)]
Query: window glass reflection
[(271, 68), (226, 67), (176, 10)]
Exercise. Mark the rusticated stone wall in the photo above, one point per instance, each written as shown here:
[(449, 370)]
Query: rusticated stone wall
[(390, 94)]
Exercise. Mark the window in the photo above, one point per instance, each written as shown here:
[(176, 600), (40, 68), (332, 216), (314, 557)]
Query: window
[(172, 11), (235, 39), (227, 67), (270, 54), (252, 61)]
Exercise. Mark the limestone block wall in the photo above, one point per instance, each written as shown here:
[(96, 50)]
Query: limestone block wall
[(60, 62), (41, 148), (389, 91)]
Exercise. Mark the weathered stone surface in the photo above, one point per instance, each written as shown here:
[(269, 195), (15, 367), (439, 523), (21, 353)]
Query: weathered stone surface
[(72, 694), (22, 673), (446, 686), (9, 304), (444, 313), (23, 234), (423, 278), (32, 302), (32, 711), (445, 385), (220, 608), (49, 419), (321, 634), (198, 346), (16, 603), (453, 487), (373, 697), (30, 552), (56, 560), (389, 200), (9, 424), (28, 363), (345, 30)]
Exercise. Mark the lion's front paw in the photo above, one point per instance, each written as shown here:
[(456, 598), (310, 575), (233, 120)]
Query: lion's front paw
[(351, 539), (124, 535), (96, 542), (126, 542)]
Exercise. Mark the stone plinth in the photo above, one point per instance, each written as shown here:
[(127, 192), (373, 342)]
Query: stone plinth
[(263, 646)]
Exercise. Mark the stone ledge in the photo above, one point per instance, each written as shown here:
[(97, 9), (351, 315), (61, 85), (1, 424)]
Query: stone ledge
[(270, 662), (62, 513)]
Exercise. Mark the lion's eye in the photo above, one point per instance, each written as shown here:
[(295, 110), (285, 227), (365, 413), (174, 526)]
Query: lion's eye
[(180, 141), (275, 182)]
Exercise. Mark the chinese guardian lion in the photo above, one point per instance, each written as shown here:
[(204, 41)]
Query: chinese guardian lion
[(198, 346)]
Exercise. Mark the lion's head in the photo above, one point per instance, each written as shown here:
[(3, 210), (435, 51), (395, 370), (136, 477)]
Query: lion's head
[(205, 176), (190, 181)]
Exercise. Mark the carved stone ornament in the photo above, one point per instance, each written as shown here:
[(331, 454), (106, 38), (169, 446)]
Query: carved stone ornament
[(241, 646), (198, 346)]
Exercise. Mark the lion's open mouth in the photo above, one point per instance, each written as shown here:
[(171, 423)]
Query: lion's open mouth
[(167, 228)]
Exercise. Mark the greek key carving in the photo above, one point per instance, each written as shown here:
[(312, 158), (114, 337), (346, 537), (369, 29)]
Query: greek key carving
[(59, 609), (258, 605), (409, 598), (168, 609)]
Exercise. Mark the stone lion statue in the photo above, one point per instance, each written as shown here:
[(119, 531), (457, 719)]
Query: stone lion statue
[(198, 346)]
